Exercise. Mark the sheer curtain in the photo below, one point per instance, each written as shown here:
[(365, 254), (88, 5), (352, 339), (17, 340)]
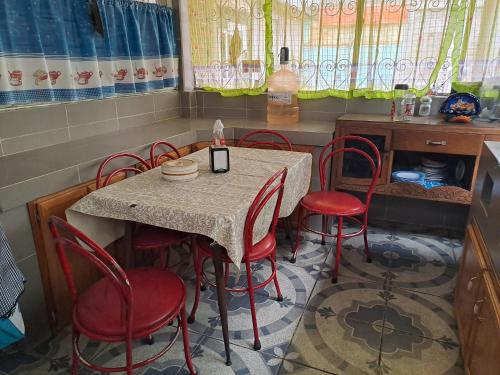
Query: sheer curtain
[(345, 48), (480, 53), (229, 47), (364, 47)]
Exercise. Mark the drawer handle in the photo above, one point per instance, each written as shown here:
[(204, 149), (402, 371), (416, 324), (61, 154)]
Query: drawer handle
[(435, 143), (470, 283), (476, 306)]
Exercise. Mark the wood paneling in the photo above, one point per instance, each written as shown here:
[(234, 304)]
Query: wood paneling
[(57, 298)]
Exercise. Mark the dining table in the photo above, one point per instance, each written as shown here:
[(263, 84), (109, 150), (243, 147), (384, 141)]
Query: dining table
[(213, 204)]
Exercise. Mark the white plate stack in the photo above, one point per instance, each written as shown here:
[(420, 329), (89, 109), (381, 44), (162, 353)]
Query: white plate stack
[(435, 170), (179, 170)]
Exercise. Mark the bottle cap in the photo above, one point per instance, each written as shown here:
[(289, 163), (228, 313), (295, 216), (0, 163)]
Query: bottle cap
[(284, 55), (401, 86)]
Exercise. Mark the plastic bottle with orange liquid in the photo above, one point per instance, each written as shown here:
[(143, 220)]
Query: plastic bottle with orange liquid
[(283, 87)]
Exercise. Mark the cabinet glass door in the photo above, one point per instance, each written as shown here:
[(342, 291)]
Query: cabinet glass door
[(353, 168)]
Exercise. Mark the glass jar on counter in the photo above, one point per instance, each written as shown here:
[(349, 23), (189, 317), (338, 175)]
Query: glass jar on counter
[(425, 106), (397, 111), (408, 105)]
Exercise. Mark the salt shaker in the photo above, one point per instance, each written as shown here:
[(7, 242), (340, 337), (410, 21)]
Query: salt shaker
[(425, 106)]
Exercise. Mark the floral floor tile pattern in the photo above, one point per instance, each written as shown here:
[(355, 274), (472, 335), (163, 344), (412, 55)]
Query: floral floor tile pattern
[(393, 316)]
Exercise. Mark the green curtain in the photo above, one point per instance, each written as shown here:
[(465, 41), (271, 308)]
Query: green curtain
[(341, 48)]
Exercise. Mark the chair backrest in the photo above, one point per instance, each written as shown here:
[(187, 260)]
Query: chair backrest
[(68, 238), (274, 186), (157, 160), (327, 154), (135, 168), (247, 142)]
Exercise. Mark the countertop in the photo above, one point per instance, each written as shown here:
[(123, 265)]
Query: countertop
[(428, 122), (494, 147)]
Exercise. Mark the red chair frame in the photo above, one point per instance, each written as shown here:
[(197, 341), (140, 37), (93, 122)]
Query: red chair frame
[(155, 160), (275, 185), (272, 144), (325, 156), (120, 281), (147, 237), (132, 168)]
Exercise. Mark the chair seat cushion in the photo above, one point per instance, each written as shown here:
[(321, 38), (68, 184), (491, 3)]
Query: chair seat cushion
[(157, 294), (260, 250), (333, 203), (151, 237)]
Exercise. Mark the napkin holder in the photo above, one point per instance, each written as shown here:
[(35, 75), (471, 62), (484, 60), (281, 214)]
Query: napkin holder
[(219, 159)]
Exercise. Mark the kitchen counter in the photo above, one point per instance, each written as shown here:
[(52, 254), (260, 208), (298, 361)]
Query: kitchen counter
[(428, 123), (30, 174), (494, 147)]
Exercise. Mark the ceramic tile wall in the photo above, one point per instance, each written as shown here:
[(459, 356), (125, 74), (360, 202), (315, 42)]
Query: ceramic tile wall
[(33, 127), (206, 104)]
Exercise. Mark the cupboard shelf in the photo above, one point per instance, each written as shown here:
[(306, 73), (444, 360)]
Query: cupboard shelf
[(450, 194)]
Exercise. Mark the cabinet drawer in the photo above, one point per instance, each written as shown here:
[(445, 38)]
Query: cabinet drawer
[(439, 142)]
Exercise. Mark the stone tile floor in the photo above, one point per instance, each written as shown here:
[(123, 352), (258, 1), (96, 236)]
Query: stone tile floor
[(392, 316)]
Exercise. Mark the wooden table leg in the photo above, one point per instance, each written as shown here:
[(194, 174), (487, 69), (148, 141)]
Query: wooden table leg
[(221, 297), (127, 238)]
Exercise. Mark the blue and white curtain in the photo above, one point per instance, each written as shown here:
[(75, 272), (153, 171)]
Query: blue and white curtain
[(67, 50)]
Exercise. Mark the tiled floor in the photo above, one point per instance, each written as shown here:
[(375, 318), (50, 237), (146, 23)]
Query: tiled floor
[(392, 316)]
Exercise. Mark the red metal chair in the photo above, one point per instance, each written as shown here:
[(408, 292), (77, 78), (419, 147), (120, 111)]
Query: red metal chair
[(121, 306), (339, 204), (157, 160), (145, 237), (246, 142), (264, 249), (285, 146)]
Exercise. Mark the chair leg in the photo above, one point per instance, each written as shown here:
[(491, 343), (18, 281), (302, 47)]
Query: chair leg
[(129, 358), (197, 261), (164, 257), (367, 249), (286, 223), (256, 343), (324, 225), (185, 341), (335, 273), (150, 340), (75, 360), (276, 284), (293, 259), (226, 273)]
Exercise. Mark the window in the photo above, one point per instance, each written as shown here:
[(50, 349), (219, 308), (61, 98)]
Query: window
[(228, 44), (480, 57), (345, 47)]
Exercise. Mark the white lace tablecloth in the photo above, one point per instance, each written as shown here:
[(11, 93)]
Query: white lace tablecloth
[(214, 205)]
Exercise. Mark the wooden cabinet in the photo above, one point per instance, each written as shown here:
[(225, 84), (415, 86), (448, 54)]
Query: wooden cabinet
[(468, 285), (477, 308), (483, 350), (352, 168), (403, 145)]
